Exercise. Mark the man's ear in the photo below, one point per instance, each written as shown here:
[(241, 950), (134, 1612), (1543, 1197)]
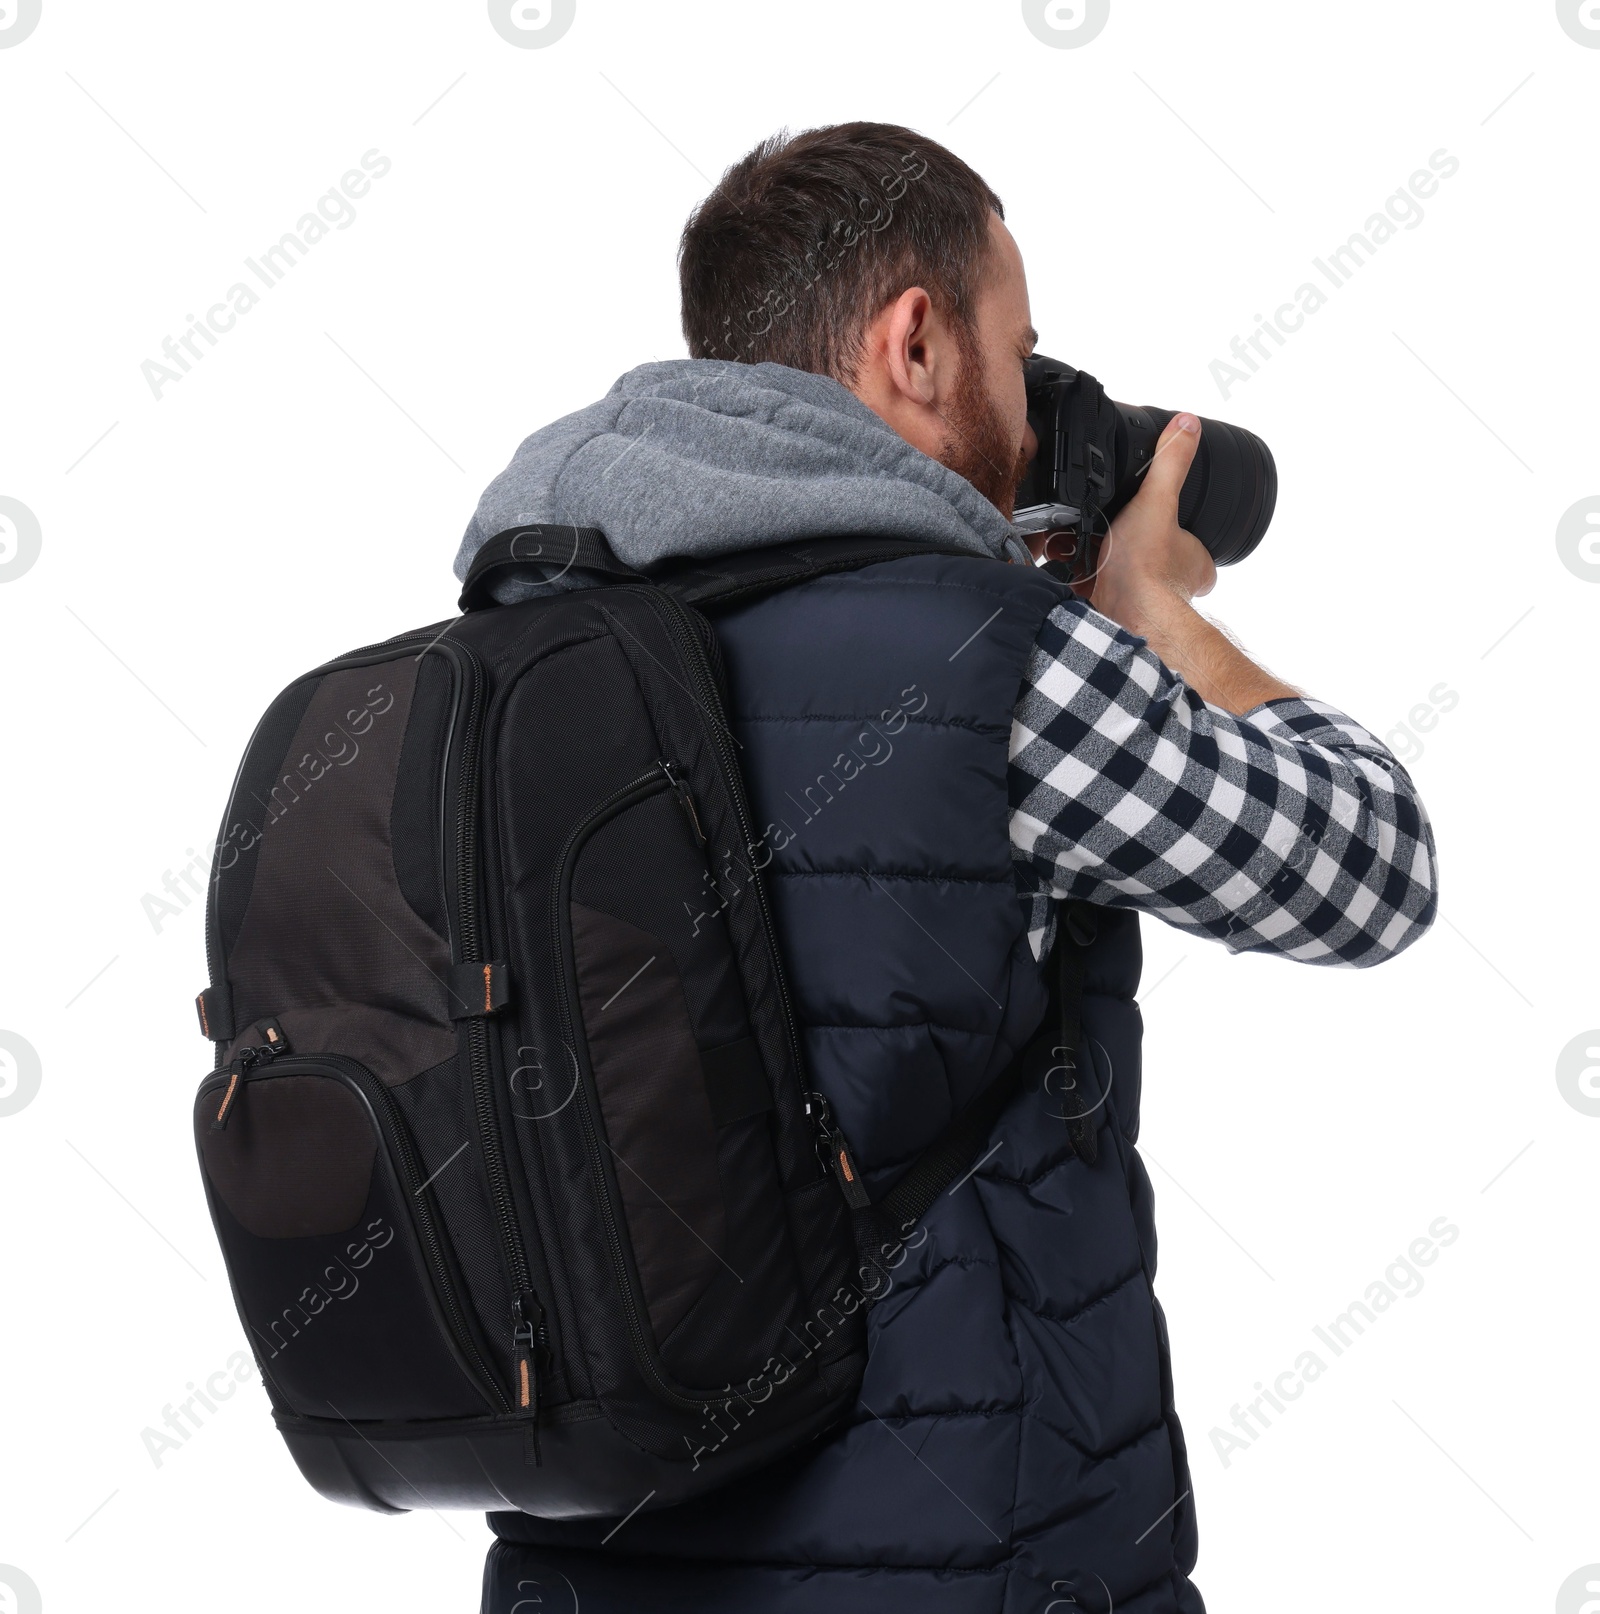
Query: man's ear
[(904, 368), (906, 339)]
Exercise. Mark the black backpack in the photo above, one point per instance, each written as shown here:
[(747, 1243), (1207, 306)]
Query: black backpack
[(524, 1197)]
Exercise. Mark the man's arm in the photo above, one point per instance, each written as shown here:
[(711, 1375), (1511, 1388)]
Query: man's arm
[(1201, 788), (1150, 569)]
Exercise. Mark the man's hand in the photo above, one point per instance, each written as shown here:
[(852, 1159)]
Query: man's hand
[(1150, 569), (1149, 560)]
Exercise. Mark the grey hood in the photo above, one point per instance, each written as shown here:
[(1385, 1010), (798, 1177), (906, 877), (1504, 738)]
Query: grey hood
[(700, 457)]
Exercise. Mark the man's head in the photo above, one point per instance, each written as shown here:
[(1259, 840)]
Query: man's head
[(868, 253)]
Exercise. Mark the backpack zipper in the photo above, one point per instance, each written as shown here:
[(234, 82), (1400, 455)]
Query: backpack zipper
[(529, 1342), (242, 1064), (833, 1153), (685, 800), (525, 1346)]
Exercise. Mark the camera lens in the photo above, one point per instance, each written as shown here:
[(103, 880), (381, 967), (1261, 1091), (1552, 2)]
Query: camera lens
[(1231, 490)]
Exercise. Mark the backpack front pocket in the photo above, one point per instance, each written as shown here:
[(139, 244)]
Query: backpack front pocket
[(332, 1247), (677, 1102)]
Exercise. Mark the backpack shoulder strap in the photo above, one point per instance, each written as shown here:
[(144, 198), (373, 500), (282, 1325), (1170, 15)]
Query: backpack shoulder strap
[(730, 579), (1054, 1046), (702, 584), (540, 544)]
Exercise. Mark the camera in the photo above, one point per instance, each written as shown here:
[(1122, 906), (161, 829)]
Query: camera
[(1093, 453)]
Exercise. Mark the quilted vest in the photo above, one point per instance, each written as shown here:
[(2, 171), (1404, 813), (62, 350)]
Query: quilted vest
[(1014, 1446)]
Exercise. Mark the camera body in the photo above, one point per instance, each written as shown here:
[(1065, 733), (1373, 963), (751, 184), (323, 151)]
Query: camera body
[(1094, 452)]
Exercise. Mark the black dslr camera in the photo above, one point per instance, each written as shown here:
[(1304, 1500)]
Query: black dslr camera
[(1093, 453)]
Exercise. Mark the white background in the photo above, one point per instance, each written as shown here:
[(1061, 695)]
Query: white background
[(302, 491)]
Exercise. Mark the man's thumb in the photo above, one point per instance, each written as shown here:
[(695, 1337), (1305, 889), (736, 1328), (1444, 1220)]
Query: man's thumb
[(1175, 452)]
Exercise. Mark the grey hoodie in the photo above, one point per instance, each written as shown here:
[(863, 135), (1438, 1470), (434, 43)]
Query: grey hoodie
[(699, 457)]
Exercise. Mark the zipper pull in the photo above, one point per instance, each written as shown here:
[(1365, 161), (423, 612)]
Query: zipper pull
[(236, 1071), (834, 1153), (243, 1063), (527, 1337), (686, 801), (844, 1168)]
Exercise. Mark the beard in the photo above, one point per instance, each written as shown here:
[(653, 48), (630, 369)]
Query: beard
[(977, 444)]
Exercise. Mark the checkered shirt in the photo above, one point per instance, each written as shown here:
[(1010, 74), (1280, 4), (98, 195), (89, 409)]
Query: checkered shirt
[(1289, 830)]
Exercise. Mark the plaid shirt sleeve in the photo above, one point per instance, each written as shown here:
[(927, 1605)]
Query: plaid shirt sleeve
[(1289, 830)]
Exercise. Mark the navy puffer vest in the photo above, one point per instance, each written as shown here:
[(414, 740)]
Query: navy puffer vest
[(1015, 1446)]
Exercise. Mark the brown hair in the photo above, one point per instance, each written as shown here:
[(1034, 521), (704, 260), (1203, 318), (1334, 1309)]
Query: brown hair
[(807, 237)]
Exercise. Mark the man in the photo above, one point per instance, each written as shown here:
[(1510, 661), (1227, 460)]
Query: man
[(959, 744)]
